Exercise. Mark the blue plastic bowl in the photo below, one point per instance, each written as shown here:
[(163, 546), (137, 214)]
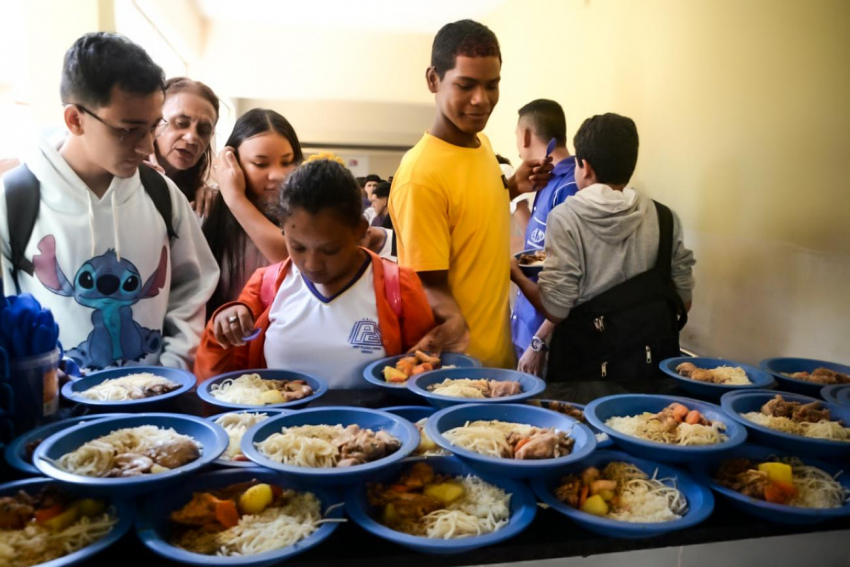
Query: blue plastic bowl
[(759, 378), (833, 393), (124, 509), (531, 385), (741, 403), (375, 420), (374, 372), (242, 464), (780, 513), (777, 366), (15, 452), (212, 438), (319, 388), (603, 443), (529, 271), (457, 416), (599, 411), (153, 526), (71, 390), (523, 507), (700, 499)]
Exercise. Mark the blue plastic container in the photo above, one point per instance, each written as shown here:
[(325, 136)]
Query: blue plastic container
[(599, 411), (319, 388), (779, 366), (124, 510), (739, 404), (529, 271), (523, 507), (700, 499), (375, 420), (602, 439), (243, 464), (532, 386), (707, 390), (16, 453), (71, 390), (153, 526), (831, 393), (212, 438), (374, 372), (780, 513), (457, 416)]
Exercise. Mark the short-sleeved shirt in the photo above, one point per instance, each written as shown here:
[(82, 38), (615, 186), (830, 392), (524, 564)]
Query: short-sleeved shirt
[(333, 338), (526, 320), (449, 207)]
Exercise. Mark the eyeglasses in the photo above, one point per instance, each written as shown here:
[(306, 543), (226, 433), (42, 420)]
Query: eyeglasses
[(182, 123), (129, 136)]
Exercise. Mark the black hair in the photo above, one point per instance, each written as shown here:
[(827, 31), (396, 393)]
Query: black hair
[(609, 142), (361, 181), (372, 177), (224, 234), (190, 180), (547, 120), (382, 191), (465, 37), (323, 184), (99, 61), (503, 160)]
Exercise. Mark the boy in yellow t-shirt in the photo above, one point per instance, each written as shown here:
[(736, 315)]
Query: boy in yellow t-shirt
[(449, 201)]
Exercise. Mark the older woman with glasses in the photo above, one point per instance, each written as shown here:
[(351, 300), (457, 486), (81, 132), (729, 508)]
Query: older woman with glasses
[(182, 147)]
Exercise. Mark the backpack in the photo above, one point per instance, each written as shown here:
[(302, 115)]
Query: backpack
[(623, 333), (392, 286), (23, 196)]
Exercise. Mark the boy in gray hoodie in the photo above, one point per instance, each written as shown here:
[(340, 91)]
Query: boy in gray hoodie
[(617, 278)]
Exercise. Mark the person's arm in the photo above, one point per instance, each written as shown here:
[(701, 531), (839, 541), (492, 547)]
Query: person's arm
[(682, 270), (194, 276), (533, 361), (262, 232), (531, 291), (530, 176), (451, 333)]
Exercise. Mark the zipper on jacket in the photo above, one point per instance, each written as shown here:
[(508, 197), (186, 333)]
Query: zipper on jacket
[(599, 323), (648, 355), (604, 369)]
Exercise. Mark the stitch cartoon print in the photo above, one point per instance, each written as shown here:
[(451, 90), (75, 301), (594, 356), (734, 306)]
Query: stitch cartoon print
[(110, 286)]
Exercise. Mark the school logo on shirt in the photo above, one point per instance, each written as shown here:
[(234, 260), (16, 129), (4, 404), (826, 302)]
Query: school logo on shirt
[(366, 336), (537, 236)]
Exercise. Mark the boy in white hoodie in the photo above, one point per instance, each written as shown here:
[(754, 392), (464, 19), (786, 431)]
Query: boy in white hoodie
[(617, 278), (123, 265)]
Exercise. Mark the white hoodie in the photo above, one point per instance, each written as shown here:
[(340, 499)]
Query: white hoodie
[(120, 291)]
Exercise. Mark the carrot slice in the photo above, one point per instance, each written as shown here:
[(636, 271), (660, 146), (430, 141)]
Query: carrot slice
[(44, 514), (585, 489), (226, 513), (521, 443), (693, 417)]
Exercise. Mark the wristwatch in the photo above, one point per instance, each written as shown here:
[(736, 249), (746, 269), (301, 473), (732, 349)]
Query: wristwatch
[(538, 344)]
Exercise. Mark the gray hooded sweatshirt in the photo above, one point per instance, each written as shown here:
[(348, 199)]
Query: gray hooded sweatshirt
[(600, 238)]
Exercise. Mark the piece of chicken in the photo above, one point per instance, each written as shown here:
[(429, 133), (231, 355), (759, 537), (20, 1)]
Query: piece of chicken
[(504, 389), (176, 453)]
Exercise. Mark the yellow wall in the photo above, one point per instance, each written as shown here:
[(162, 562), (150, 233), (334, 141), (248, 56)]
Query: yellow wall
[(743, 108)]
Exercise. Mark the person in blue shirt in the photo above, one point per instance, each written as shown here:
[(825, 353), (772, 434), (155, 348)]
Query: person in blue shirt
[(540, 121)]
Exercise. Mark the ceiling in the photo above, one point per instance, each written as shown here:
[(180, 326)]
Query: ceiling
[(395, 16)]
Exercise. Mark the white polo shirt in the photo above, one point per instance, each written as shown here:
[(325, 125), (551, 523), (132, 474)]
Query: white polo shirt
[(332, 338)]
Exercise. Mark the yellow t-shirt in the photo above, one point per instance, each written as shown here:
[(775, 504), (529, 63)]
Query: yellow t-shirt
[(450, 211)]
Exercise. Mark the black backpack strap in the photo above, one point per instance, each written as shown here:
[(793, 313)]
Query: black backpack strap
[(157, 189), (664, 262), (23, 197)]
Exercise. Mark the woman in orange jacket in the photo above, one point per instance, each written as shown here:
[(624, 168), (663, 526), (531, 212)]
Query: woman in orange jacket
[(332, 307)]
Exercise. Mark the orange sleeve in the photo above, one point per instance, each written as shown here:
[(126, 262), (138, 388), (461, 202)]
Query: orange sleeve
[(212, 359), (418, 318)]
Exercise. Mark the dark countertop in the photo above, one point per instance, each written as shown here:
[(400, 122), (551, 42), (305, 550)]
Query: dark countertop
[(551, 535)]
